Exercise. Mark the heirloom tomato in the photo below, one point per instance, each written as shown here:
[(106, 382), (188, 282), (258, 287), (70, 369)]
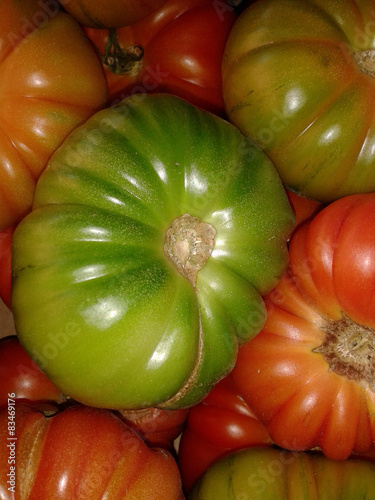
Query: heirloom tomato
[(299, 78), (315, 357), (159, 428), (110, 14), (178, 49), (219, 425), (20, 376), (80, 452), (273, 474), (50, 82), (5, 264), (157, 227)]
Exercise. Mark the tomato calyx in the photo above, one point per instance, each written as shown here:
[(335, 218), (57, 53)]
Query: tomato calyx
[(120, 60), (188, 244), (365, 60), (349, 350)]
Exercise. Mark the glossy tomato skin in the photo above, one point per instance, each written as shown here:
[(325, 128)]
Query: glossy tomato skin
[(84, 452), (267, 473), (314, 356), (22, 378), (159, 428), (292, 82), (110, 14), (6, 264), (219, 425), (182, 45), (51, 81), (106, 301)]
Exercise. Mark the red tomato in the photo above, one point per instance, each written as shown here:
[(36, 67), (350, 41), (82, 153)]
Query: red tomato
[(159, 428), (220, 424), (20, 376), (50, 81), (309, 374), (110, 14), (81, 452), (178, 49), (6, 264), (303, 208)]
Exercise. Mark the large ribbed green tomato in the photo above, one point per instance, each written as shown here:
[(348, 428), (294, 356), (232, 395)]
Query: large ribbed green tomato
[(275, 474), (299, 78), (156, 229)]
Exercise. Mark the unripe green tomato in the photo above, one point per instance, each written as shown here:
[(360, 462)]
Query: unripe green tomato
[(270, 473), (156, 229)]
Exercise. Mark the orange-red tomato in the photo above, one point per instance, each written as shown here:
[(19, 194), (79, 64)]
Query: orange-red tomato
[(177, 49), (220, 424), (81, 452), (159, 428), (309, 374), (112, 13), (20, 376), (50, 82)]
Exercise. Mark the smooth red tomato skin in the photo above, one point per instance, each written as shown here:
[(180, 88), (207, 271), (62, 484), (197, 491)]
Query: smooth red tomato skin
[(51, 81), (331, 278), (220, 424), (20, 376), (84, 452), (6, 265), (183, 44), (110, 14)]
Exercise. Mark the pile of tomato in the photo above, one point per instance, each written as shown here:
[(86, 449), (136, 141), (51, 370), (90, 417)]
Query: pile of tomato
[(187, 204)]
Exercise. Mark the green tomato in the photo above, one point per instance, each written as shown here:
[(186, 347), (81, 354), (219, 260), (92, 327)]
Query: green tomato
[(269, 473), (156, 229)]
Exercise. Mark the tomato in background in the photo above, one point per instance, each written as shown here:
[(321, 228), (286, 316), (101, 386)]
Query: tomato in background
[(219, 425), (275, 474), (6, 264), (82, 452), (159, 428), (178, 49), (298, 78), (110, 13), (314, 358), (50, 82), (20, 376)]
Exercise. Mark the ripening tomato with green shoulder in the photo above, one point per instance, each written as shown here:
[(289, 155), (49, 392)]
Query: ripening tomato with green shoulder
[(273, 474), (177, 49), (217, 426), (110, 14), (81, 452), (50, 82), (299, 78), (157, 228), (314, 358)]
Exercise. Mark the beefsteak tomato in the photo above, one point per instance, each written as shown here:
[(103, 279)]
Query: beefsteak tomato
[(6, 236), (315, 357), (219, 425), (178, 49), (272, 474), (298, 77), (156, 229), (55, 456), (110, 14), (159, 428), (50, 82)]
